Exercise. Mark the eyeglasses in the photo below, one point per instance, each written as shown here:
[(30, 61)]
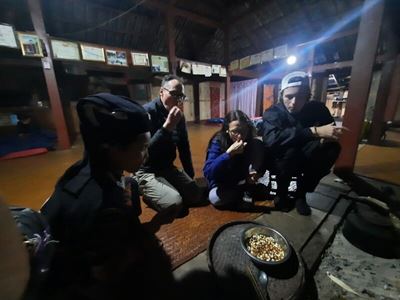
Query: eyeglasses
[(178, 96), (237, 131)]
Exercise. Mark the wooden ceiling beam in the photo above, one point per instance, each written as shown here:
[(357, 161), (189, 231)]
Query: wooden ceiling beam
[(183, 13), (335, 36), (332, 66)]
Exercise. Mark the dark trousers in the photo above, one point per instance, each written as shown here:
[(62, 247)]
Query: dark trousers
[(309, 163)]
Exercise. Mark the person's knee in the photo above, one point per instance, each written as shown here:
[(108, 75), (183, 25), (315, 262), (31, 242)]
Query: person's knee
[(214, 198), (171, 199), (174, 199)]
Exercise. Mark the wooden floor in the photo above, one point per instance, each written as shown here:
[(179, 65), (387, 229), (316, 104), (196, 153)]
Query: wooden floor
[(29, 181)]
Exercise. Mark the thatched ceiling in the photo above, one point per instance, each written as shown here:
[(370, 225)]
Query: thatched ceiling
[(255, 25)]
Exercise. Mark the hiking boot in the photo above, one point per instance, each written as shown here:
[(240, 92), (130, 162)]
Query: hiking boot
[(302, 207)]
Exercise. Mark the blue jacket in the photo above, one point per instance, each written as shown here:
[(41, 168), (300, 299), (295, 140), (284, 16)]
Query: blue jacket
[(163, 143), (221, 169)]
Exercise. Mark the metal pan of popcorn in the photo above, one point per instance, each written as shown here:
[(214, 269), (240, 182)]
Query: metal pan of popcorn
[(265, 246)]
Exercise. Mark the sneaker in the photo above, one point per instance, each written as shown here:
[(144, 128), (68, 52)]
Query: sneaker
[(302, 207), (247, 197)]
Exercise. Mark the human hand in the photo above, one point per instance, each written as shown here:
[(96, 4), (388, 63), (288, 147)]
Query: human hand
[(174, 116), (330, 131), (253, 177), (236, 148)]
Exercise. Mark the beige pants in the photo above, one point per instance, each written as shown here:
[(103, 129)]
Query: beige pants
[(167, 188)]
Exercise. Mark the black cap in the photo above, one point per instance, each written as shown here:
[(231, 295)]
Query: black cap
[(112, 119)]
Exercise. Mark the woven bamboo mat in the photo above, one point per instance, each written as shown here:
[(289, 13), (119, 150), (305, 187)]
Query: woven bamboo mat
[(184, 238)]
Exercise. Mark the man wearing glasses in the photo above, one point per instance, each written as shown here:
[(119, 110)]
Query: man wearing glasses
[(166, 188)]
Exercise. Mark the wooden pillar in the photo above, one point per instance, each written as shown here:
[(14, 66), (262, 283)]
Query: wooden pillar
[(319, 87), (196, 98), (227, 62), (259, 99), (378, 124), (324, 89), (361, 74), (227, 92), (310, 63), (50, 77), (394, 93), (171, 41), (131, 91)]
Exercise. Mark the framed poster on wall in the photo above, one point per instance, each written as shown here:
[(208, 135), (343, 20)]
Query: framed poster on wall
[(7, 36), (215, 69), (92, 53), (255, 59), (244, 62), (280, 52), (222, 72), (159, 63), (267, 55), (140, 59), (116, 58), (234, 65), (65, 50), (197, 69), (30, 44), (186, 67)]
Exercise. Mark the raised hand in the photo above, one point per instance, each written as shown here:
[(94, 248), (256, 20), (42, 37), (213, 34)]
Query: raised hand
[(236, 148), (174, 116)]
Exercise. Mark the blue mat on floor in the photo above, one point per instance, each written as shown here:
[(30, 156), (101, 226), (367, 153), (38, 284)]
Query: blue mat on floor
[(29, 141)]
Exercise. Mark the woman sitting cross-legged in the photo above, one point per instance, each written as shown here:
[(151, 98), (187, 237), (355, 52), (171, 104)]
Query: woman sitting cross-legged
[(234, 164)]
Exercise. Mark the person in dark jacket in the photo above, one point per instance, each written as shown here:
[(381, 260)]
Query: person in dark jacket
[(301, 140), (104, 250), (234, 163), (166, 188)]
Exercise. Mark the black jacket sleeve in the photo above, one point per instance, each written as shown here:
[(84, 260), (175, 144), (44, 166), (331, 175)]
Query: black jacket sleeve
[(160, 137), (279, 131), (184, 148)]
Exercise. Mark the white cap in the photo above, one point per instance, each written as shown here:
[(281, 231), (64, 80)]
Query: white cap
[(296, 78)]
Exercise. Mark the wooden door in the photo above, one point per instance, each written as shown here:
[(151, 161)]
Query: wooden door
[(268, 96), (214, 101)]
